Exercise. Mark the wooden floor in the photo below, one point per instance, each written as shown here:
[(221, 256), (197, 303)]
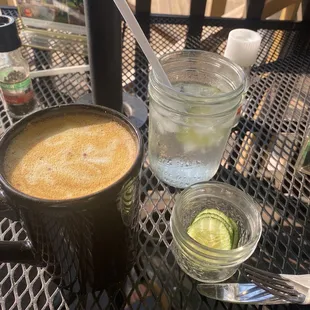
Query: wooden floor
[(234, 8), (181, 7)]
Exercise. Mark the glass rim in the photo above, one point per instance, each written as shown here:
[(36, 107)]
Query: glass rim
[(199, 248), (176, 94)]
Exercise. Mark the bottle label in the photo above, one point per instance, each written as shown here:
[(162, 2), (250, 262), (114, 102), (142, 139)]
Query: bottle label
[(17, 93)]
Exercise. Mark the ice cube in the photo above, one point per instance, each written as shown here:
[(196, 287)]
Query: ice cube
[(163, 123), (190, 147)]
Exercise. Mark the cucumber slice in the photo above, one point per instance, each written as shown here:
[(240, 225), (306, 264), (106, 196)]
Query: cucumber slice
[(199, 110), (214, 212), (230, 224), (211, 232), (236, 233), (190, 135), (219, 214), (227, 224)]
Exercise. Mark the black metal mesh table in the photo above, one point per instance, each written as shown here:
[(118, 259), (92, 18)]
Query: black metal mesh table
[(259, 158)]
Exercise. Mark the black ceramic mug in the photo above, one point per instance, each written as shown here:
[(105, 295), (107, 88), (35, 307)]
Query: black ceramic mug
[(89, 242)]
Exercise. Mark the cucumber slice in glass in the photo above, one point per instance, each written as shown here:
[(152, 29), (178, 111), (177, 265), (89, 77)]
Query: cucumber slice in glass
[(214, 212), (230, 224), (211, 232), (190, 135), (236, 233), (217, 213), (227, 223), (199, 110)]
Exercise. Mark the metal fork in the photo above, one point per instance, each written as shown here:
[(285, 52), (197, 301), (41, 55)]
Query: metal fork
[(291, 288), (266, 288), (241, 293)]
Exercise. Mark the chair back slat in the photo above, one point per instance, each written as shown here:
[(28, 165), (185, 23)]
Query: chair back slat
[(143, 7), (196, 20), (255, 9), (198, 7), (306, 10)]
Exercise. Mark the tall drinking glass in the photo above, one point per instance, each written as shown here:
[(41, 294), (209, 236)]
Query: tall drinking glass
[(191, 121)]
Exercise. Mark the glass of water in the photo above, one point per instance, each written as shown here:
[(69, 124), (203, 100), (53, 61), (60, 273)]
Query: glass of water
[(191, 121)]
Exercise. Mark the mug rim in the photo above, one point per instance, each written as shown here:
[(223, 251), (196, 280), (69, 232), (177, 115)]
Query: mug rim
[(62, 203)]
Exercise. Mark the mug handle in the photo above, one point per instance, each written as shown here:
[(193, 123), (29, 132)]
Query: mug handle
[(14, 251)]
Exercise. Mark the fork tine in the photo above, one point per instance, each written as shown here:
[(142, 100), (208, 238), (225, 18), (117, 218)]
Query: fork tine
[(254, 293), (265, 273), (228, 292), (250, 290), (273, 284), (262, 296), (265, 301), (280, 294), (266, 277), (265, 282)]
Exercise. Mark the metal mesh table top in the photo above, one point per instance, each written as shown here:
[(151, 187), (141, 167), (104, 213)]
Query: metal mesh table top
[(259, 158)]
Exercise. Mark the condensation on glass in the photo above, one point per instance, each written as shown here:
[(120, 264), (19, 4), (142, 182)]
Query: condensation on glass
[(190, 123)]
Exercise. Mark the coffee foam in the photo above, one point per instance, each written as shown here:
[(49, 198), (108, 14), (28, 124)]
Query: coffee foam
[(69, 156)]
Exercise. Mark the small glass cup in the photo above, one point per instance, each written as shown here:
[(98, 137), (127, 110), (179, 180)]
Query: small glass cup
[(201, 262), (191, 121)]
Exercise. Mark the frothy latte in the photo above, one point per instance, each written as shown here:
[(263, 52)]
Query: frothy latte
[(69, 156)]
